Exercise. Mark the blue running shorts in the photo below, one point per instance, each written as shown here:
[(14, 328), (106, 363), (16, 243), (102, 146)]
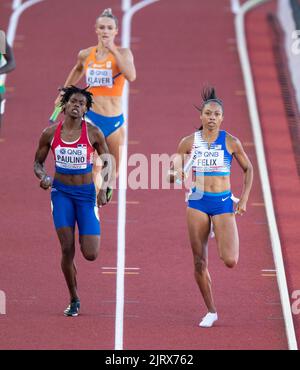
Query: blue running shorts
[(75, 203), (107, 125), (211, 203)]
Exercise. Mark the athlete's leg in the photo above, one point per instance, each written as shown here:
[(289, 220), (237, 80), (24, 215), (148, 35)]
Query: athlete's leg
[(63, 213), (97, 168), (89, 229), (67, 242), (115, 142), (114, 139), (199, 229), (227, 238), (98, 173), (90, 245)]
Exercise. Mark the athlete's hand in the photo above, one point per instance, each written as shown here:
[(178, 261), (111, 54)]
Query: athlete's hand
[(109, 44), (101, 198), (241, 207), (57, 100), (45, 182), (177, 176), (181, 175)]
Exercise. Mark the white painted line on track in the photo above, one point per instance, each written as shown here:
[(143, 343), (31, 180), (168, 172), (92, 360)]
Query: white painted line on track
[(18, 10), (119, 323), (126, 5), (263, 170), (16, 4), (269, 270), (235, 6), (115, 268)]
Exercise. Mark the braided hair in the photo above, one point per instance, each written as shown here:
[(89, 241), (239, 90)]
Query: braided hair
[(70, 90)]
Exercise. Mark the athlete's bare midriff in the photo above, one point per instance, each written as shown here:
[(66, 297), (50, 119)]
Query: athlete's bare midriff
[(74, 179), (108, 106), (213, 184)]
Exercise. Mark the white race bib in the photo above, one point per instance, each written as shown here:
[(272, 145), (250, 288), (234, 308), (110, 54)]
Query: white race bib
[(71, 158), (208, 160), (96, 77)]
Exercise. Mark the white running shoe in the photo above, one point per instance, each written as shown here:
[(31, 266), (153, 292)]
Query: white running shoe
[(208, 320)]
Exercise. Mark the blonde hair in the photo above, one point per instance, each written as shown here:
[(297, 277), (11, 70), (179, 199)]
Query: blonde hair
[(107, 13)]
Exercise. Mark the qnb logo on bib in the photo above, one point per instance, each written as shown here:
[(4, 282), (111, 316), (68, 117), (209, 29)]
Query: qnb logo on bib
[(72, 158), (209, 160), (99, 77)]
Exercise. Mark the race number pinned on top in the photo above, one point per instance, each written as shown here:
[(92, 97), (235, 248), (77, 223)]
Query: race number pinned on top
[(209, 159), (99, 77)]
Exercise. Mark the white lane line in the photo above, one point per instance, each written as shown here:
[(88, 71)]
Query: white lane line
[(126, 5), (16, 4), (119, 323), (13, 23), (263, 170), (14, 19), (115, 268), (235, 6), (268, 270)]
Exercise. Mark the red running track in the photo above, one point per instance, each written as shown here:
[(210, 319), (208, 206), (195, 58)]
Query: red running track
[(174, 56), (278, 145), (46, 49)]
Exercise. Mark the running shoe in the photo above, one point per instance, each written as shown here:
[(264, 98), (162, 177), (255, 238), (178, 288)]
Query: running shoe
[(73, 308)]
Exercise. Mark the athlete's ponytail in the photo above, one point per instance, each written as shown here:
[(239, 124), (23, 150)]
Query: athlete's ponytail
[(208, 95)]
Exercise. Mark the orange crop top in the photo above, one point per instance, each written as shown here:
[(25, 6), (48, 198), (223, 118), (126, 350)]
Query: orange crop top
[(103, 76)]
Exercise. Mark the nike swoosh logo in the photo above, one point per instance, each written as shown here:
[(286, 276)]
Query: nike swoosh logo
[(223, 199), (117, 124)]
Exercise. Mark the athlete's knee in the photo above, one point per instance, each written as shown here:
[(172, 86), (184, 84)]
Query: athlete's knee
[(230, 262), (200, 264), (89, 246), (90, 255), (67, 250)]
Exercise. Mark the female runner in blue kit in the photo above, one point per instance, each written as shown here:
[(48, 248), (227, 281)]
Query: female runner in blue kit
[(210, 200)]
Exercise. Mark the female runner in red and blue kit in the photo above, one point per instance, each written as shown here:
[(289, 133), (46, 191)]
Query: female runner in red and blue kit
[(73, 195)]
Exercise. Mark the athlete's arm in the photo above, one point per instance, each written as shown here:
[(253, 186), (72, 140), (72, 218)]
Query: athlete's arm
[(244, 162), (10, 60), (177, 165), (98, 141), (124, 59), (125, 62), (41, 155), (76, 73)]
